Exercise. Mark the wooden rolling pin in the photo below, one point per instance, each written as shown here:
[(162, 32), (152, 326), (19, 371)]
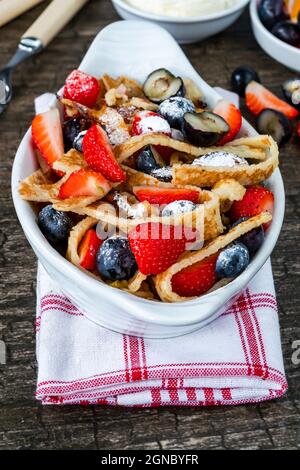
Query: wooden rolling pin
[(53, 19), (10, 9)]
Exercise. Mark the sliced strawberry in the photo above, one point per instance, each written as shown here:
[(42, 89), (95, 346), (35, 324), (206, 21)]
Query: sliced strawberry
[(47, 135), (99, 154), (232, 116), (257, 199), (148, 122), (196, 279), (88, 248), (84, 183), (156, 246), (165, 195), (259, 98), (82, 88)]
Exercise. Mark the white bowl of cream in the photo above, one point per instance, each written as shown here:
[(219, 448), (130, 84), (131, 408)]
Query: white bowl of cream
[(187, 20)]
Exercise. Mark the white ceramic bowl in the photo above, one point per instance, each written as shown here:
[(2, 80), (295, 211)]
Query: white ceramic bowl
[(277, 49), (185, 30), (116, 51)]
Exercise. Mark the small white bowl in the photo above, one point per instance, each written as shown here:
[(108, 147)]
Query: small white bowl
[(189, 29), (282, 52), (116, 51)]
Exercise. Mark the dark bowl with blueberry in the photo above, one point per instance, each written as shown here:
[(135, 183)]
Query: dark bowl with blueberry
[(276, 28)]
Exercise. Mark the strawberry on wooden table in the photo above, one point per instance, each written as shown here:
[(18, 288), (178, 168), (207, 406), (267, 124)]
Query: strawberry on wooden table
[(84, 182), (165, 195), (155, 246), (88, 248), (256, 200), (47, 135), (196, 279), (82, 88), (232, 116), (99, 154), (259, 98)]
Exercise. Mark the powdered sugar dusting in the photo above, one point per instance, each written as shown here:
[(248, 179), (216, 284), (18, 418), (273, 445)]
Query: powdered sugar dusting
[(118, 136), (220, 159), (138, 211), (133, 212), (163, 174), (178, 207), (151, 124), (127, 112), (113, 123), (176, 107)]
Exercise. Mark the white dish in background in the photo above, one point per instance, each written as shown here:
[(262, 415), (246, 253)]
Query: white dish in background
[(187, 29), (116, 51), (279, 50)]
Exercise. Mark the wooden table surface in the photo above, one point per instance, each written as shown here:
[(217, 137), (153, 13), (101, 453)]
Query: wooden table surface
[(24, 423)]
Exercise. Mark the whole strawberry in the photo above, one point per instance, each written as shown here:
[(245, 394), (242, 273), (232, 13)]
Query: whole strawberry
[(156, 246), (82, 88)]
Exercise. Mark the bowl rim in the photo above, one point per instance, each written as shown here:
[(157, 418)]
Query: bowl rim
[(257, 22), (187, 20), (161, 315)]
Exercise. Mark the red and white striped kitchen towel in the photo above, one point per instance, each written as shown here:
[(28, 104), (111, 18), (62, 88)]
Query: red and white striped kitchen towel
[(236, 359)]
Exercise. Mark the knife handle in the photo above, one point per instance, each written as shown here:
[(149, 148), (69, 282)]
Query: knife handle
[(10, 9), (53, 19)]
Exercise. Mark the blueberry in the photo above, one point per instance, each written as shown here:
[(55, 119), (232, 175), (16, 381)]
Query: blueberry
[(77, 143), (162, 84), (115, 260), (274, 123), (288, 32), (55, 225), (71, 129), (233, 260), (178, 207), (204, 129), (146, 162), (253, 239), (241, 77), (270, 11), (173, 110)]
